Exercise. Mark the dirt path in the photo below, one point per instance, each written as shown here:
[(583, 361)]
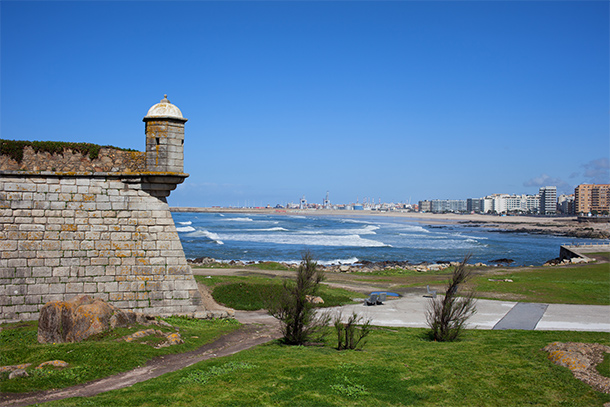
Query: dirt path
[(258, 330)]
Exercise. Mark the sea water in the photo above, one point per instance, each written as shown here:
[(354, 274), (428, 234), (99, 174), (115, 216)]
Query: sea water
[(344, 239)]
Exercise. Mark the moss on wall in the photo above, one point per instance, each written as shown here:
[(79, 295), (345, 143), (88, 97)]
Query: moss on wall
[(14, 148)]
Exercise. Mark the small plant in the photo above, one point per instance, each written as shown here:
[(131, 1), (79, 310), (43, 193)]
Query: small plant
[(349, 334), (299, 322), (447, 315), (348, 388), (204, 376)]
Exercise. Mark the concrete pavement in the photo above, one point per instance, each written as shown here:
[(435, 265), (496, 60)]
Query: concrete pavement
[(410, 311)]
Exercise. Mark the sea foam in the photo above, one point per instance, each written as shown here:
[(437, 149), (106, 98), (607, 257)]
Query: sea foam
[(205, 233), (304, 239), (185, 229)]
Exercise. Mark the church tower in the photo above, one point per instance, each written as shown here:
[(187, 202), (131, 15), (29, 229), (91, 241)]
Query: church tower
[(164, 138)]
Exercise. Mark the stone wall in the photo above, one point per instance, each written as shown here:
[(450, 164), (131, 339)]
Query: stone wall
[(105, 234), (108, 160)]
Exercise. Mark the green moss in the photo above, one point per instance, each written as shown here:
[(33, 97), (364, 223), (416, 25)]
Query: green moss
[(14, 148)]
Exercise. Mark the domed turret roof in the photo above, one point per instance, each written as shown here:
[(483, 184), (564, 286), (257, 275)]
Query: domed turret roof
[(164, 109)]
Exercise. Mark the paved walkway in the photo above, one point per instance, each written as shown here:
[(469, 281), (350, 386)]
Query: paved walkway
[(410, 311)]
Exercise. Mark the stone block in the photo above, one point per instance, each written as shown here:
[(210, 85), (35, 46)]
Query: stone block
[(74, 288), (57, 289), (61, 271), (89, 287), (38, 289), (124, 286), (95, 271), (99, 261), (54, 262), (8, 245)]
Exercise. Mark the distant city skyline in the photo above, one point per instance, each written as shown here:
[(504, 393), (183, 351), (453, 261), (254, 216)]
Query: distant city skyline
[(395, 101)]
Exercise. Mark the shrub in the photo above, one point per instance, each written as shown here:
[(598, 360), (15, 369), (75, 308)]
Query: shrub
[(299, 322), (447, 315), (349, 334)]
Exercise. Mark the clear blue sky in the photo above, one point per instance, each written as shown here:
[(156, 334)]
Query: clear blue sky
[(386, 100)]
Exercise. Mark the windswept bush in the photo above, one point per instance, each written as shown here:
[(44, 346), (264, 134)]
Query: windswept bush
[(299, 322), (446, 315)]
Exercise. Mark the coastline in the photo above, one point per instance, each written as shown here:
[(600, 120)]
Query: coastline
[(558, 226)]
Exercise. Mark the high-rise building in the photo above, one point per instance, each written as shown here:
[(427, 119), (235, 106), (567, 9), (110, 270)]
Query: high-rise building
[(474, 205), (548, 200), (592, 197), (565, 204)]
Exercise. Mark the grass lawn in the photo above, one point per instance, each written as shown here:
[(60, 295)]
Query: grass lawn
[(586, 284), (97, 357), (397, 367), (580, 284), (249, 293)]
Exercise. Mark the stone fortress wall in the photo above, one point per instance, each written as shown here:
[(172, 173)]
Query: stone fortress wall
[(70, 225)]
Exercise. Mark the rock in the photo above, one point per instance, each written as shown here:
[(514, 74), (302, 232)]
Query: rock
[(141, 334), (174, 339), (54, 363), (203, 260), (344, 269), (82, 317), (581, 359), (578, 260), (14, 367), (18, 373), (502, 261), (314, 300)]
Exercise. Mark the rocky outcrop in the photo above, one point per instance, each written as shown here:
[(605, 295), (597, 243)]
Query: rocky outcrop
[(82, 317), (581, 359)]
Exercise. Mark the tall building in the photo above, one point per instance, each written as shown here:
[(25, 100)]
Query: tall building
[(474, 205), (548, 200), (592, 197), (565, 204)]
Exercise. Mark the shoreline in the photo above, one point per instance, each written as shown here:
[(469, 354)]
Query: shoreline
[(559, 226)]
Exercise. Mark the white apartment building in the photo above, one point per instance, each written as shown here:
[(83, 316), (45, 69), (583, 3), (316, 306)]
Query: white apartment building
[(548, 200), (502, 203)]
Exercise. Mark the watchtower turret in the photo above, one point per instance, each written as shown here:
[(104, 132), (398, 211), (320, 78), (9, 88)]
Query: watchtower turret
[(164, 138)]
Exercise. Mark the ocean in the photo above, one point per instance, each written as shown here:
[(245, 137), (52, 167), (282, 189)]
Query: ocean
[(349, 239)]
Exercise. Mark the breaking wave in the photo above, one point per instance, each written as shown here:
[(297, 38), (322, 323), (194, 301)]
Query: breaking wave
[(185, 229), (305, 239), (205, 233)]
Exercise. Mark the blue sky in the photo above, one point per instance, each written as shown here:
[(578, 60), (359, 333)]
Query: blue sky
[(389, 100)]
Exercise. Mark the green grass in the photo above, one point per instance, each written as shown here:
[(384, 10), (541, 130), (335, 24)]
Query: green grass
[(250, 293), (97, 357), (397, 367), (588, 284), (270, 265), (604, 367)]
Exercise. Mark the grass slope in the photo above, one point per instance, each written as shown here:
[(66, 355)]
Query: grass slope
[(396, 368), (97, 357), (250, 293)]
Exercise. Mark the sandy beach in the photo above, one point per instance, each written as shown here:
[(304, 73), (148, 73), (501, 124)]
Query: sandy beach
[(560, 226)]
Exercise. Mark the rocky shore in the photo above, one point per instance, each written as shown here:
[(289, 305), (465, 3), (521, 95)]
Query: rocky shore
[(369, 266), (561, 227)]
